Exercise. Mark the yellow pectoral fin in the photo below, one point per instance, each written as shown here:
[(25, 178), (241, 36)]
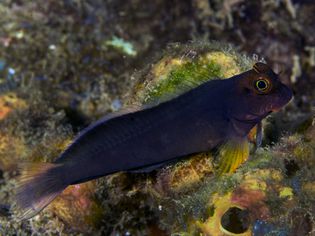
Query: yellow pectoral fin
[(255, 135), (231, 155), (252, 134)]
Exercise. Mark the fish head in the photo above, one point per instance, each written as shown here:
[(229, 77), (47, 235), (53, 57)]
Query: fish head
[(257, 93)]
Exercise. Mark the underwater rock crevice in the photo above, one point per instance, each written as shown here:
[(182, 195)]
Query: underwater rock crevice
[(236, 220)]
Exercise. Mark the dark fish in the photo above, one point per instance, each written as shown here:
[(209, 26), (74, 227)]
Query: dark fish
[(218, 112)]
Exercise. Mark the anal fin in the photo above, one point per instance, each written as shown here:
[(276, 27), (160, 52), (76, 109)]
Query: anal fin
[(150, 168)]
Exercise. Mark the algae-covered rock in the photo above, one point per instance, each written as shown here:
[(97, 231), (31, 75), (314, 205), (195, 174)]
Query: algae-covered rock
[(183, 67), (9, 102), (184, 198), (183, 176), (77, 207), (261, 197)]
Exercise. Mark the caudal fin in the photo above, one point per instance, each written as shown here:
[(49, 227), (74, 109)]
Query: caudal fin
[(39, 184)]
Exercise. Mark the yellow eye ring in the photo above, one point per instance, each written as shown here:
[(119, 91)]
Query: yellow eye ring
[(262, 85)]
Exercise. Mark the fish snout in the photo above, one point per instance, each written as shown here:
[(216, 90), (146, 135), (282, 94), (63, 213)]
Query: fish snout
[(284, 97), (287, 93)]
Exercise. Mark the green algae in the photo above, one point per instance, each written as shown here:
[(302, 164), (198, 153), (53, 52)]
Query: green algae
[(193, 73), (183, 67)]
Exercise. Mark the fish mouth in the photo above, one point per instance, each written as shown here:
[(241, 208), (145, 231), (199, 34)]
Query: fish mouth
[(276, 109), (284, 97), (251, 117)]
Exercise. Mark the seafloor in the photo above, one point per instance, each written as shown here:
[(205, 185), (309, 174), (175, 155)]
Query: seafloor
[(66, 63)]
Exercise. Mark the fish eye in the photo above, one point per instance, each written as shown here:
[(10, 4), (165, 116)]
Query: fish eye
[(262, 85)]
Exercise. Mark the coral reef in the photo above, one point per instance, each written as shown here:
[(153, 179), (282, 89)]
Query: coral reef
[(253, 199), (263, 195), (64, 64)]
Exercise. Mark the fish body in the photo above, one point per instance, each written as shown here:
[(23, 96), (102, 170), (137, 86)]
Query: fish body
[(199, 120), (193, 122)]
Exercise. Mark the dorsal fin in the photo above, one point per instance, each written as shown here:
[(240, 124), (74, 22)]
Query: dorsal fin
[(262, 68), (104, 119)]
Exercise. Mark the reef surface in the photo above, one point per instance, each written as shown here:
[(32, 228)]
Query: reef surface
[(64, 64)]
